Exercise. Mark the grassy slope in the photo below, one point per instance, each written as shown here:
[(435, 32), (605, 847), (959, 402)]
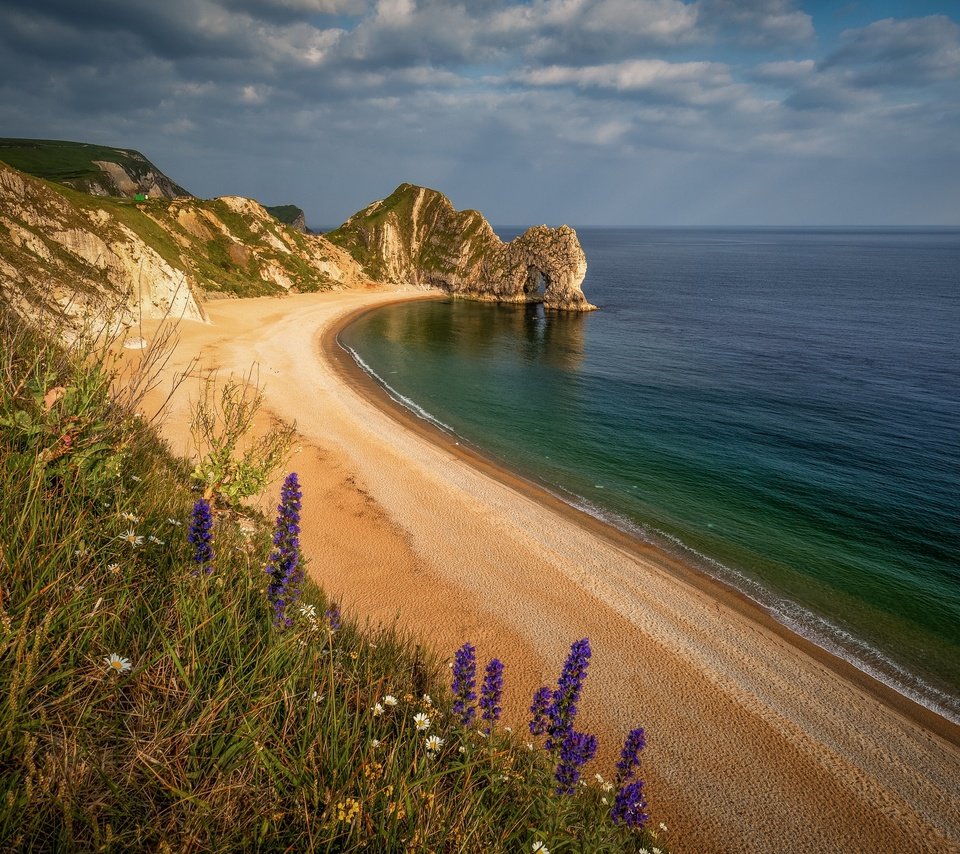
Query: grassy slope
[(60, 160), (226, 734), (208, 261)]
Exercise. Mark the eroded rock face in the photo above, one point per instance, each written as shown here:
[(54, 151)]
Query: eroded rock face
[(416, 236)]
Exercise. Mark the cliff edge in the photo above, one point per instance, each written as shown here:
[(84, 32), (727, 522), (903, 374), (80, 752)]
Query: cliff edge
[(416, 236)]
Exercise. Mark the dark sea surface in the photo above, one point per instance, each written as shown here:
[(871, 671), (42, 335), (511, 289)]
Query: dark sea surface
[(779, 407)]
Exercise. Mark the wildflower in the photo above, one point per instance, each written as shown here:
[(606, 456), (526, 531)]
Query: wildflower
[(563, 706), (347, 810), (377, 710), (461, 749), (630, 806), (540, 848), (309, 612), (156, 540), (175, 522), (116, 664), (200, 534), (577, 750), (663, 827), (375, 742), (333, 616), (604, 801), (317, 697), (427, 701), (286, 574), (421, 721), (434, 743), (490, 693), (530, 746), (630, 755), (464, 682), (598, 778), (389, 700), (113, 568), (131, 536), (541, 703), (129, 517)]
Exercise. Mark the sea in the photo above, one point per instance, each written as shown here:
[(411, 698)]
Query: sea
[(778, 407)]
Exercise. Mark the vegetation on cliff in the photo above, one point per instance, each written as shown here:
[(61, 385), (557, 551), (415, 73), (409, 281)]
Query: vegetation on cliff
[(150, 701), (97, 169)]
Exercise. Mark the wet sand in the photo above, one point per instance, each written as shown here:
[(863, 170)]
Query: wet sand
[(757, 740)]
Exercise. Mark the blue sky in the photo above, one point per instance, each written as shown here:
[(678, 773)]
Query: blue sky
[(647, 112)]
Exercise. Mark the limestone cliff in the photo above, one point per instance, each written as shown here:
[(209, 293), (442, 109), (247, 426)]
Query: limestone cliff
[(62, 248), (416, 236), (96, 169)]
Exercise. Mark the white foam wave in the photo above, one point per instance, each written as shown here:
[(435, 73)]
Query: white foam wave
[(395, 395)]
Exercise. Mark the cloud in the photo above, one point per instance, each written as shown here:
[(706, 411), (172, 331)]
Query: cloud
[(757, 22), (900, 52)]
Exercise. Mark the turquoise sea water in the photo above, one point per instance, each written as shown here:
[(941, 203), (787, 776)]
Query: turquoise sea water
[(779, 407)]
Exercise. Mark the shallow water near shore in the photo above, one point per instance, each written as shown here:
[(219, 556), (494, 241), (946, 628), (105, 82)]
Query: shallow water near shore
[(779, 407)]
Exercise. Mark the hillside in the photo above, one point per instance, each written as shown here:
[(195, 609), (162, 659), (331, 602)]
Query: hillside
[(62, 247), (96, 169)]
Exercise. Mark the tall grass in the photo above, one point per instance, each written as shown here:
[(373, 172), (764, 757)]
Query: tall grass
[(226, 733)]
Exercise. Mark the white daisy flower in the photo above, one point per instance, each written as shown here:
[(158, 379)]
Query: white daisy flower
[(421, 721), (377, 710), (117, 664), (427, 701), (114, 568), (389, 700), (130, 517), (131, 536), (434, 743), (540, 848)]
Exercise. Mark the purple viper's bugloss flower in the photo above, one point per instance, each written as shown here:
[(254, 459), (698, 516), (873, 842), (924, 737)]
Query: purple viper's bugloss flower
[(539, 709), (563, 707), (630, 755), (200, 534), (630, 806), (577, 749), (284, 569), (490, 693), (333, 616), (464, 683)]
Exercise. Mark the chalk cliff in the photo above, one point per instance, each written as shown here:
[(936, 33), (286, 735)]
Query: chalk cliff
[(416, 236), (65, 250)]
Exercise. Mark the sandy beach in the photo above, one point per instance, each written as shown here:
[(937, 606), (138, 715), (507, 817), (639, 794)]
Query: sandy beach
[(757, 740)]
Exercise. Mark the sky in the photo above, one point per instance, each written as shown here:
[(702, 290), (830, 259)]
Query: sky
[(587, 112)]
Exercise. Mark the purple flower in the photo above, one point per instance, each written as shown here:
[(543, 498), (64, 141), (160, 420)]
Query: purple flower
[(286, 573), (577, 749), (563, 707), (464, 683), (333, 616), (200, 534), (630, 806), (490, 693), (539, 709), (630, 755)]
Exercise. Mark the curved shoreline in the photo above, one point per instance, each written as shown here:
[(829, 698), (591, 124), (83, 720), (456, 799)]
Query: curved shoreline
[(337, 355), (756, 743)]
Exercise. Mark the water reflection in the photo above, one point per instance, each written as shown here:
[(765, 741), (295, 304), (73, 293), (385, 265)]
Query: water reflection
[(555, 339)]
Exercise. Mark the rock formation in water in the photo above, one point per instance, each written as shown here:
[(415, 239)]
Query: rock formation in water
[(416, 236)]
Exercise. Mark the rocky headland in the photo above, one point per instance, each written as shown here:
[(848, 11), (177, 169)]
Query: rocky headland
[(416, 236)]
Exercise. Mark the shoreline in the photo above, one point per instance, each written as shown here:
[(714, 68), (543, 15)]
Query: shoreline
[(373, 391), (754, 744)]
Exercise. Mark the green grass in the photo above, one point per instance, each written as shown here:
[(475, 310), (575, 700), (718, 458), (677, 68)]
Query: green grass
[(227, 734), (60, 160)]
